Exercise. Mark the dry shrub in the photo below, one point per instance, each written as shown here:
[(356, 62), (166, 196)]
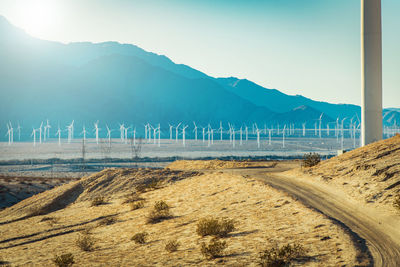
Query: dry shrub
[(137, 205), (311, 159), (133, 197), (64, 260), (160, 212), (97, 201), (50, 220), (85, 242), (140, 238), (281, 256), (172, 245), (214, 227), (148, 186), (396, 202), (214, 249), (108, 220)]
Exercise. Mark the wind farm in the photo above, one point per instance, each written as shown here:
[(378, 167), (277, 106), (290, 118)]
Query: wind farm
[(248, 134)]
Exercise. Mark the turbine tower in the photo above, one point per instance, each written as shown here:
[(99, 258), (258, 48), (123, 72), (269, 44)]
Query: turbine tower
[(371, 71)]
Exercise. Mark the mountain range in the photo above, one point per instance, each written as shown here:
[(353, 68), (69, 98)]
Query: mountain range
[(114, 82)]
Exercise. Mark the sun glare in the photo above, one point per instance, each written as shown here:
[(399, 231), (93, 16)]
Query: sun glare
[(37, 16)]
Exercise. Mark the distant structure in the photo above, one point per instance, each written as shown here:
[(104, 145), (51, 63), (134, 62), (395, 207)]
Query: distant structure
[(371, 73)]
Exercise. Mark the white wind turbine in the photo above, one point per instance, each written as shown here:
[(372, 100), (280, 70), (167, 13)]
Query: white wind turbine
[(84, 132), (46, 134), (155, 135), (209, 136), (126, 134), (269, 134), (183, 135), (283, 136), (204, 133), (195, 131), (19, 132), (96, 131), (241, 135), (58, 133), (304, 128), (342, 132), (9, 134), (177, 132), (170, 131), (246, 129), (233, 136), (108, 134), (320, 121), (122, 131), (34, 136), (258, 131), (40, 133), (159, 135), (220, 129)]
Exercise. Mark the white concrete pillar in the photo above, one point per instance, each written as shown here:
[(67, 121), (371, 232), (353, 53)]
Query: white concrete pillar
[(371, 65)]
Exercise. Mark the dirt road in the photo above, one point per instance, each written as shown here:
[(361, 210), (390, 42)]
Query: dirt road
[(382, 234)]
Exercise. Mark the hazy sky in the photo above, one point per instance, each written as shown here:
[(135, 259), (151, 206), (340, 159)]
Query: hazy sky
[(307, 47)]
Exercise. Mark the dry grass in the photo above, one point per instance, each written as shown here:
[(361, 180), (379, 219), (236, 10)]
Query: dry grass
[(396, 202), (281, 256), (311, 160), (97, 201), (140, 238), (64, 260), (213, 249), (159, 213), (85, 242), (108, 221), (137, 205), (172, 245), (215, 227)]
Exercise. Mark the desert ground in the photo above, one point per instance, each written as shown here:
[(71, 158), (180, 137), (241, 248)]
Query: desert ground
[(270, 203)]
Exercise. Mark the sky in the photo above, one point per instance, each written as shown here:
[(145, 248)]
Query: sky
[(307, 47)]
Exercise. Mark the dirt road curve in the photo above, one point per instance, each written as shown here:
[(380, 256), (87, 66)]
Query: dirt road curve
[(381, 239)]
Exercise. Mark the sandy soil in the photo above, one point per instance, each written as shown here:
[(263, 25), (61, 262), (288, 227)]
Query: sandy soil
[(264, 217), (370, 174)]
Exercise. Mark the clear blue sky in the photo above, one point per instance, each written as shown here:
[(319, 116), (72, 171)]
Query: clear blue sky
[(308, 47)]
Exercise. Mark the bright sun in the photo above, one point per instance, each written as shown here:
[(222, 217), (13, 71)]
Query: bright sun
[(37, 16)]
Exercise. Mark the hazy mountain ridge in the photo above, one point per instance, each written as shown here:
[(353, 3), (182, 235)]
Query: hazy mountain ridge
[(115, 82)]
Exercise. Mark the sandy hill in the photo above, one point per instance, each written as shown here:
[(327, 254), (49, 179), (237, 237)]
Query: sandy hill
[(370, 173), (264, 218)]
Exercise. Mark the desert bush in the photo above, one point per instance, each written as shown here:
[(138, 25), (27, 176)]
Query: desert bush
[(214, 227), (107, 220), (140, 238), (137, 205), (97, 201), (172, 245), (281, 256), (149, 185), (311, 159), (133, 197), (85, 242), (396, 202), (213, 249), (160, 212), (64, 260)]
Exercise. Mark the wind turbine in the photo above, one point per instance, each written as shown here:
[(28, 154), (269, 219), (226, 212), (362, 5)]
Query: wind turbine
[(371, 71), (126, 134), (96, 131), (40, 133), (320, 121), (258, 131), (220, 129), (304, 128), (283, 136), (9, 134), (19, 132), (342, 131), (108, 134), (34, 136), (195, 131), (170, 131), (84, 132), (176, 132), (159, 135), (183, 135), (122, 131), (269, 136), (204, 133), (241, 133), (59, 135), (46, 134)]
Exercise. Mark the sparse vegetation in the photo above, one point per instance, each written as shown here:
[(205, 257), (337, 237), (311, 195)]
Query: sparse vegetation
[(137, 205), (213, 249), (140, 238), (64, 260), (85, 242), (214, 227), (107, 220), (172, 245), (160, 212), (396, 202), (311, 159), (149, 186), (281, 256), (132, 197), (97, 201)]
